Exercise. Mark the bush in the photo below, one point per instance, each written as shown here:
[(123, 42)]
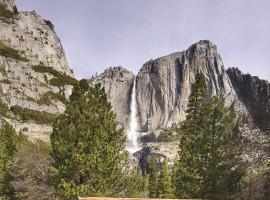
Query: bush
[(3, 70), (60, 78), (63, 80), (48, 96), (45, 69), (4, 111), (5, 13), (6, 81), (9, 52), (169, 134), (33, 115)]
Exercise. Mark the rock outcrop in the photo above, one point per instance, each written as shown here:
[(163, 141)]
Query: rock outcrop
[(118, 83), (255, 94), (34, 74), (163, 85), (162, 90)]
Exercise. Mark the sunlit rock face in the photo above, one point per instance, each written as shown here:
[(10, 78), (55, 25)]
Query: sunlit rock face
[(164, 84), (118, 83), (35, 40), (163, 87)]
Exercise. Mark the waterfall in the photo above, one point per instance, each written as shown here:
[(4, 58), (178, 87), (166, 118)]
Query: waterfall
[(132, 134)]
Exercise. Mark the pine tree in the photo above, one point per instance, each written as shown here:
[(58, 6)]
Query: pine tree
[(153, 179), (87, 146), (8, 147), (145, 185), (189, 173), (209, 166), (223, 168), (135, 184), (165, 189)]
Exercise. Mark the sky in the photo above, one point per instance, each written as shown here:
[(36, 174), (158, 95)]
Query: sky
[(97, 34)]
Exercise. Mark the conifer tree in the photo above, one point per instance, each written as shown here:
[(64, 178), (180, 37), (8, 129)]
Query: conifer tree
[(153, 179), (87, 147), (209, 167), (8, 147), (223, 167), (165, 189), (189, 172)]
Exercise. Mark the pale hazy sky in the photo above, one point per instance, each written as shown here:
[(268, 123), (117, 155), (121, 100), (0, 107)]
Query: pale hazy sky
[(97, 34)]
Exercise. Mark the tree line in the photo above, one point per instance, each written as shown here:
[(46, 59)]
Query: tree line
[(87, 157)]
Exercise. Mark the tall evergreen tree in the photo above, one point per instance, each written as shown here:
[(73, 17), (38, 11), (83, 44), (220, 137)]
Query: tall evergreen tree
[(8, 148), (87, 147), (189, 172), (165, 189), (209, 167), (153, 179), (223, 167)]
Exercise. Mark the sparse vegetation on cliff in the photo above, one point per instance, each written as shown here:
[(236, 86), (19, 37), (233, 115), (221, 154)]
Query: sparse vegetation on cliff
[(32, 115), (60, 78), (5, 13), (10, 52)]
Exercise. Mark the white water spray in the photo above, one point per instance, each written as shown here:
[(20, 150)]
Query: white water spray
[(132, 134)]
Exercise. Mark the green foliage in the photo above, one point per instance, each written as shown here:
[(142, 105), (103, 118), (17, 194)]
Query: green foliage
[(31, 170), (6, 81), (136, 184), (208, 166), (4, 111), (153, 179), (169, 134), (87, 147), (5, 13), (189, 175), (60, 80), (33, 115), (165, 189), (45, 69), (8, 147), (3, 70), (63, 80), (47, 98), (9, 52)]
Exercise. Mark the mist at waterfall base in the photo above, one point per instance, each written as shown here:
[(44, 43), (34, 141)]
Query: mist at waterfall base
[(132, 134)]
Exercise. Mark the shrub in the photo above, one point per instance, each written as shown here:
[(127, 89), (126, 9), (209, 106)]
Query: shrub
[(63, 80), (60, 78), (4, 111), (10, 52), (32, 115), (169, 134), (45, 69), (3, 70), (5, 13), (47, 98), (6, 81)]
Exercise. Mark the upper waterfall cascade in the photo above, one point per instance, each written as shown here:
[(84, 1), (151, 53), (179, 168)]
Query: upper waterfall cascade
[(132, 134)]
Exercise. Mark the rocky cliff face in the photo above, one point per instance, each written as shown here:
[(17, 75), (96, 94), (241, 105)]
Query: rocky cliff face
[(118, 83), (255, 94), (163, 85), (34, 75)]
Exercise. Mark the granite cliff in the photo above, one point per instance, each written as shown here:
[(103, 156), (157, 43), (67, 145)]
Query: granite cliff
[(36, 81), (162, 90), (35, 78)]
